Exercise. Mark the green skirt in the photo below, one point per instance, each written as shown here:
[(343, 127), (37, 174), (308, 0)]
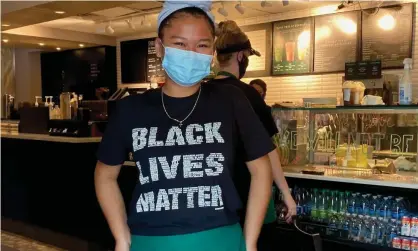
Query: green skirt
[(227, 238)]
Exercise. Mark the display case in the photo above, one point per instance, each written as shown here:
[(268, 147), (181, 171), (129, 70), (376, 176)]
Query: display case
[(350, 168), (378, 139)]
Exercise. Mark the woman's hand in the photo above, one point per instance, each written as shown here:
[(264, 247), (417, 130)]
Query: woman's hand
[(122, 246), (291, 207)]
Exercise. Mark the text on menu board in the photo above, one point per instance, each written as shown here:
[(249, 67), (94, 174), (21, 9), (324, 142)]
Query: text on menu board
[(335, 41), (154, 64), (387, 35), (292, 46)]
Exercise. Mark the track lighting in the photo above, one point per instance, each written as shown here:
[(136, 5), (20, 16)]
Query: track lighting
[(285, 2), (264, 4), (109, 29), (240, 8), (223, 11)]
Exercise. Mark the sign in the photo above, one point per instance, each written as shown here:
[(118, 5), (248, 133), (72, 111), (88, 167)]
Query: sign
[(363, 70), (336, 41), (292, 46), (154, 64), (387, 35)]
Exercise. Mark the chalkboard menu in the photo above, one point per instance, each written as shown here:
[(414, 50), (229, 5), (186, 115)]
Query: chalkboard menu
[(292, 46), (387, 35), (154, 67), (336, 41)]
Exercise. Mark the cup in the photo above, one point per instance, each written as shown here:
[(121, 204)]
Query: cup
[(290, 51)]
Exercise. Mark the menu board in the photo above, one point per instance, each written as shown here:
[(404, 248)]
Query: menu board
[(292, 46), (336, 41), (387, 35), (154, 63), (260, 38)]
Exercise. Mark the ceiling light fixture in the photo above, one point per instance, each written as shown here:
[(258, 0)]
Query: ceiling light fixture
[(41, 44), (240, 8), (130, 24), (5, 25), (81, 45), (58, 48), (109, 29), (223, 11), (5, 40), (60, 12), (264, 4), (285, 2)]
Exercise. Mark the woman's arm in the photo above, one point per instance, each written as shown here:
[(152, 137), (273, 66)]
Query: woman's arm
[(258, 199), (279, 179), (112, 204)]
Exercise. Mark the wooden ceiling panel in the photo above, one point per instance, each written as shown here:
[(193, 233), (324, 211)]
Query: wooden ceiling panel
[(19, 41), (146, 5), (46, 12)]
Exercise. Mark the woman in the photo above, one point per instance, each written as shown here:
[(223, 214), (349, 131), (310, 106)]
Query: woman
[(183, 138), (261, 87), (233, 49)]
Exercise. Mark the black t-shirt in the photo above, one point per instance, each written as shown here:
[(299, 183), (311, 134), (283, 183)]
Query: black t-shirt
[(185, 183), (242, 179)]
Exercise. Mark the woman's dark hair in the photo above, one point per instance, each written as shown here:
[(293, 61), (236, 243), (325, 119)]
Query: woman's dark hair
[(260, 83), (192, 11)]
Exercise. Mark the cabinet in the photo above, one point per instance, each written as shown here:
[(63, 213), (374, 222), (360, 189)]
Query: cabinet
[(342, 163)]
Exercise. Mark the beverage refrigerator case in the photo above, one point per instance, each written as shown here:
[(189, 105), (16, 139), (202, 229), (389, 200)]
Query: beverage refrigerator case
[(353, 173)]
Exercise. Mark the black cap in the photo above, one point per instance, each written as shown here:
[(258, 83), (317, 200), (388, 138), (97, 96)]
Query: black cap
[(239, 47)]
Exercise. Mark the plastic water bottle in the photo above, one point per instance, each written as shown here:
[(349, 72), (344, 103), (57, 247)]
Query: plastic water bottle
[(321, 206), (360, 229), (342, 203), (374, 207), (346, 225), (362, 207), (314, 205), (354, 229), (384, 209), (352, 203), (372, 229), (381, 232), (398, 209), (392, 231)]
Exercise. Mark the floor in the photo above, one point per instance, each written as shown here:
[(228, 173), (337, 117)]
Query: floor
[(18, 236), (14, 242)]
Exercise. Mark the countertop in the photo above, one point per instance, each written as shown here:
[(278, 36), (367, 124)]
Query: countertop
[(295, 172), (45, 137)]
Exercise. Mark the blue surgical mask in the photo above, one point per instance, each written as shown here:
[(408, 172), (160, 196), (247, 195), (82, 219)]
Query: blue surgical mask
[(186, 68)]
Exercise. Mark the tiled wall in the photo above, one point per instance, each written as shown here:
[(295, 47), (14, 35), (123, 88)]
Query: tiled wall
[(298, 87)]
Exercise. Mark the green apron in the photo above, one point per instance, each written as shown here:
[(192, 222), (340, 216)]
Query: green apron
[(227, 238)]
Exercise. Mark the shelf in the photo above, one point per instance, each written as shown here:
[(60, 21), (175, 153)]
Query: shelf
[(295, 172), (379, 108)]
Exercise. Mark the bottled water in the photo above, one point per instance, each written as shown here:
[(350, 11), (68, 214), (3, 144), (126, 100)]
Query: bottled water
[(360, 229), (392, 231), (365, 218), (381, 232), (384, 209), (314, 205), (362, 207), (352, 203), (371, 233), (374, 207), (321, 206)]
